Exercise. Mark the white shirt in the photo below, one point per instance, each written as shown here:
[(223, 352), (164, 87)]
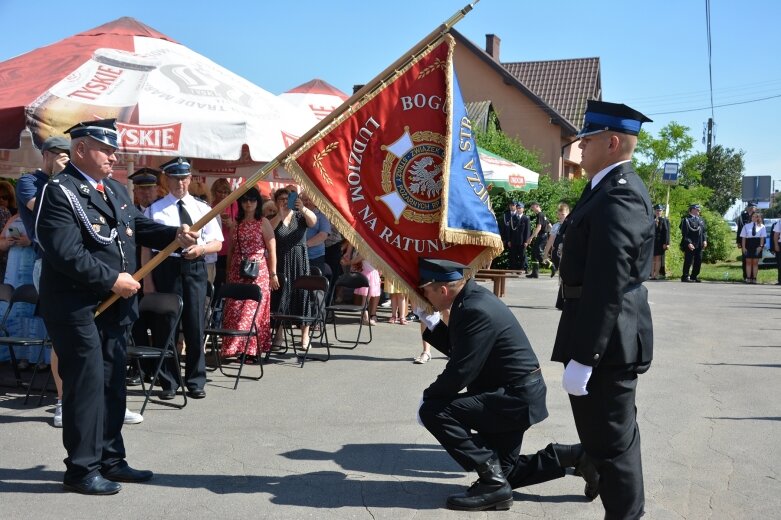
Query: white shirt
[(746, 231), (166, 211), (601, 173)]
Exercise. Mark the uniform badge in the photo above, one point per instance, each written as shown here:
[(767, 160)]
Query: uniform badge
[(96, 227), (128, 231), (84, 189), (102, 219), (621, 181)]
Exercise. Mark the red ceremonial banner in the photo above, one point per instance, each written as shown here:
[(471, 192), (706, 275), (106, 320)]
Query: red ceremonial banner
[(378, 172)]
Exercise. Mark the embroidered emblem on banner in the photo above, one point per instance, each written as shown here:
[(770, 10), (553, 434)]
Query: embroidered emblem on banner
[(412, 176)]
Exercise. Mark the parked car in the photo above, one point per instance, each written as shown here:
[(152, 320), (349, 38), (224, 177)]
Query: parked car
[(733, 226), (768, 258)]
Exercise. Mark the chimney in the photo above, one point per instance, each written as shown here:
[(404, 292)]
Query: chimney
[(492, 42)]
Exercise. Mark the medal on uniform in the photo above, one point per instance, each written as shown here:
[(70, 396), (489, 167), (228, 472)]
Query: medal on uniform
[(128, 231), (102, 219), (96, 227)]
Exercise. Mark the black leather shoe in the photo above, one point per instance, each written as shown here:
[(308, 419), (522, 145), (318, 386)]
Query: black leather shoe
[(125, 473), (490, 491), (96, 485), (167, 395), (197, 393)]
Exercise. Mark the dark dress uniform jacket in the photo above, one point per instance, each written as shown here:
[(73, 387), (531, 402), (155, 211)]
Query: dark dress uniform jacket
[(607, 253), (77, 272), (489, 354), (693, 231)]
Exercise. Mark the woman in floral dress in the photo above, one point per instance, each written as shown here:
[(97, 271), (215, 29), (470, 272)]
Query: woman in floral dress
[(253, 238)]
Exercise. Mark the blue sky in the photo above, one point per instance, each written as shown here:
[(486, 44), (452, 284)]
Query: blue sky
[(653, 54)]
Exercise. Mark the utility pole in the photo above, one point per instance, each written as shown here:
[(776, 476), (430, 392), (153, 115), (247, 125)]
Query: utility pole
[(709, 135)]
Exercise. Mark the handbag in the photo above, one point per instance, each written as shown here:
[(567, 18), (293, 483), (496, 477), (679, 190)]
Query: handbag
[(249, 268)]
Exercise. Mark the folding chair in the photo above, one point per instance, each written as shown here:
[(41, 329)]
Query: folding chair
[(333, 311), (316, 287), (22, 294), (165, 308), (248, 294)]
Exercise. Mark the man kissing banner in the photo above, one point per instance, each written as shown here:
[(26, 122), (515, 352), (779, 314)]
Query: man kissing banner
[(398, 173)]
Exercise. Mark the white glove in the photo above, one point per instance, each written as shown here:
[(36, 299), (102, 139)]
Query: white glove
[(417, 412), (430, 320), (576, 378)]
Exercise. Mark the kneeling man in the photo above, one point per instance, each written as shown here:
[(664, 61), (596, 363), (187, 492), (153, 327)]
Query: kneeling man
[(492, 359)]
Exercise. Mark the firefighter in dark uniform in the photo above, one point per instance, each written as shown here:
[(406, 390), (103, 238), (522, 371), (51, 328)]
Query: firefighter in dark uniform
[(743, 219), (694, 238), (516, 232), (537, 239), (605, 335), (661, 241), (88, 229), (490, 357)]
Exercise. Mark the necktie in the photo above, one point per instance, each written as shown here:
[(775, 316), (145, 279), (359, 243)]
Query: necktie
[(184, 217), (754, 230), (102, 191)]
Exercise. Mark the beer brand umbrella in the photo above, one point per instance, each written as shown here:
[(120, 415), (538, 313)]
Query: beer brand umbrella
[(499, 173), (168, 99), (316, 95)]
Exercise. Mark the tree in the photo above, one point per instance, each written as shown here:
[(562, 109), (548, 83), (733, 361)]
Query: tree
[(674, 144), (510, 148), (723, 174)]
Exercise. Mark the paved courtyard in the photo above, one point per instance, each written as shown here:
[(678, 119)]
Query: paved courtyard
[(339, 439)]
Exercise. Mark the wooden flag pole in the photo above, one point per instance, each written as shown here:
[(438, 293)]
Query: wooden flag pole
[(383, 76)]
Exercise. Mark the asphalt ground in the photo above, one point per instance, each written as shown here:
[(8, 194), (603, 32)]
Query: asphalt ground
[(340, 440)]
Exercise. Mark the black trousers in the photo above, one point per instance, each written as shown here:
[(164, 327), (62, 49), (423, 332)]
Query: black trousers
[(187, 278), (778, 264), (692, 260), (92, 366), (517, 256), (538, 246), (333, 254), (606, 420), (451, 422)]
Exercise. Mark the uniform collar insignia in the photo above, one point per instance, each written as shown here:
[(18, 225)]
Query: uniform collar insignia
[(84, 189)]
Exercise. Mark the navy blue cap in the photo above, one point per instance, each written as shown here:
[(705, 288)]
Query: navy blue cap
[(103, 130), (751, 205), (694, 206), (179, 167), (659, 206), (436, 270), (616, 117), (144, 177), (519, 205)]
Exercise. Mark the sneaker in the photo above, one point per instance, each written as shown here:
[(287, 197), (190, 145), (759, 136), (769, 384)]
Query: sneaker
[(58, 414), (385, 304), (133, 417)]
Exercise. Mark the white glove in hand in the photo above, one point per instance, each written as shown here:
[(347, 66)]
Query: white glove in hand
[(576, 378), (430, 320), (417, 412)]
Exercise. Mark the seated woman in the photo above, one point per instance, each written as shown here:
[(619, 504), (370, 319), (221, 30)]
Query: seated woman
[(22, 320), (359, 264), (252, 239)]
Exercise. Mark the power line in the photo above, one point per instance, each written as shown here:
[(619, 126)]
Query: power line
[(710, 60), (712, 106)]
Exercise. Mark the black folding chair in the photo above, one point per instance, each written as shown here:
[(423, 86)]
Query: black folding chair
[(159, 308), (22, 294), (333, 311), (315, 289), (248, 294)]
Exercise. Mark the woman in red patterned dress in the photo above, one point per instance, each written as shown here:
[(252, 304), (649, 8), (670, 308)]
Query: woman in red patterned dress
[(253, 238)]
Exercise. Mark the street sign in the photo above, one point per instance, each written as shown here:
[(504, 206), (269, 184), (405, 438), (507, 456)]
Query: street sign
[(756, 188), (670, 173)]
